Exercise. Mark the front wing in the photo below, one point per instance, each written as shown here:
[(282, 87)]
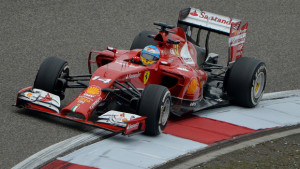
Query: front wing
[(115, 121)]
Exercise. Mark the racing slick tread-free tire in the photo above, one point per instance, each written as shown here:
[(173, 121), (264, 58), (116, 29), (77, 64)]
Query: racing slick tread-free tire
[(142, 40), (50, 70), (155, 105), (245, 81)]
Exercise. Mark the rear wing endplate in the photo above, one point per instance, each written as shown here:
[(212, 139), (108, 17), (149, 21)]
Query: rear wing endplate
[(218, 24)]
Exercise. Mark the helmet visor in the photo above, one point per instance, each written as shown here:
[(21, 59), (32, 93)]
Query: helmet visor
[(149, 57), (147, 62)]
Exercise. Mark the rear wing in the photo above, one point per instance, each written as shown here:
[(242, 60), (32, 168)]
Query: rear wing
[(218, 24)]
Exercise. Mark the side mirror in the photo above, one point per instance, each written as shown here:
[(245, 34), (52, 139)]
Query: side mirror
[(114, 50), (111, 49)]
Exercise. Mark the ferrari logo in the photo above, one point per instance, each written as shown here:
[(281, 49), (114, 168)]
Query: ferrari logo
[(176, 49), (146, 76)]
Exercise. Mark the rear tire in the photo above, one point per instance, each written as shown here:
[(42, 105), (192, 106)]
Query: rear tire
[(245, 81), (155, 105), (48, 76), (142, 40)]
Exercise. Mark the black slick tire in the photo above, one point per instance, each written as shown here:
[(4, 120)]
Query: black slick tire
[(245, 81), (155, 105), (48, 76)]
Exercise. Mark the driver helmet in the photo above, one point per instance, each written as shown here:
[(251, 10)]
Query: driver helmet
[(149, 55)]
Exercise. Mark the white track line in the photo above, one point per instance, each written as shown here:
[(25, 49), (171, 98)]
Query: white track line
[(276, 95), (50, 153), (40, 158), (268, 114), (135, 152)]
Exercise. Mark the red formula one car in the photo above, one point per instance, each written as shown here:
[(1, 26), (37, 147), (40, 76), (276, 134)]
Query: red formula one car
[(166, 72)]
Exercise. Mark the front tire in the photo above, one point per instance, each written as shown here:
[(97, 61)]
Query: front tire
[(50, 76), (155, 105), (245, 81)]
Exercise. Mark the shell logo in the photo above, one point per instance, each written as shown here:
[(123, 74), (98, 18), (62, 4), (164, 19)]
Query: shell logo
[(193, 86), (93, 90)]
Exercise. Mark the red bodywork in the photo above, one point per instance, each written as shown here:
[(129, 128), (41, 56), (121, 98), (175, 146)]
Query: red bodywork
[(118, 67), (177, 69)]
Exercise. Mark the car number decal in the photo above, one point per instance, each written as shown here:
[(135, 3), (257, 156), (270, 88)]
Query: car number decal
[(101, 79)]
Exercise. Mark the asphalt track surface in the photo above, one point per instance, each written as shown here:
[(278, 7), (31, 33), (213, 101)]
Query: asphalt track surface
[(33, 30)]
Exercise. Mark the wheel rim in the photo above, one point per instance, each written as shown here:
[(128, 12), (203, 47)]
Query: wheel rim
[(64, 74), (259, 85), (165, 112)]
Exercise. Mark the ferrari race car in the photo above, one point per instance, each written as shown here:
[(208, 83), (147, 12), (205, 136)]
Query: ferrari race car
[(135, 90)]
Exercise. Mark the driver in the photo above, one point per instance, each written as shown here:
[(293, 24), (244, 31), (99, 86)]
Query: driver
[(149, 55)]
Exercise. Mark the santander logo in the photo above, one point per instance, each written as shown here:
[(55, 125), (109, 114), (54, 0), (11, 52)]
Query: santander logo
[(194, 13), (212, 17), (133, 126)]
